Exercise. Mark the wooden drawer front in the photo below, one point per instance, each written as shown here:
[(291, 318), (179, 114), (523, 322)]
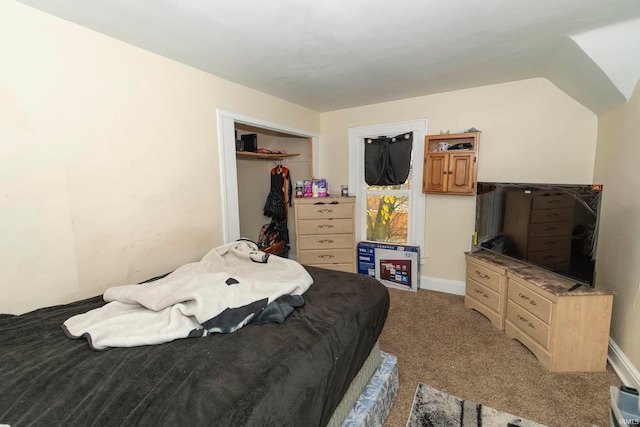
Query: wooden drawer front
[(550, 229), (539, 244), (348, 268), (483, 294), (551, 215), (528, 323), (557, 256), (484, 276), (325, 211), (325, 226), (551, 202), (532, 302), (325, 241), (335, 256)]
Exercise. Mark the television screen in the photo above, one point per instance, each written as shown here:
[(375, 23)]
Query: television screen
[(551, 226)]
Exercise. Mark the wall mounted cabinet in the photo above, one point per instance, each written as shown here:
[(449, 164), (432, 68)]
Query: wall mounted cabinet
[(450, 163)]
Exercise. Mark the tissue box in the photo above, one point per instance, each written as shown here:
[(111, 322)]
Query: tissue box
[(320, 188)]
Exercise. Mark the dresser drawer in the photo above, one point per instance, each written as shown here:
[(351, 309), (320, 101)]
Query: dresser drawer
[(550, 229), (484, 276), (552, 201), (324, 210), (325, 241), (557, 256), (539, 244), (483, 294), (528, 323), (324, 226), (529, 300), (347, 268), (551, 215), (333, 256)]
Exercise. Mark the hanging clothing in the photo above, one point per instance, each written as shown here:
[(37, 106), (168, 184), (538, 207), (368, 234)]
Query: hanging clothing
[(277, 205), (279, 197)]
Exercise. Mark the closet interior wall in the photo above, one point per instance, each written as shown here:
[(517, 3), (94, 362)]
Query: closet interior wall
[(254, 179)]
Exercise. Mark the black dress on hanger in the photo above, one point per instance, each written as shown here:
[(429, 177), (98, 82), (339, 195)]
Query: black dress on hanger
[(277, 204)]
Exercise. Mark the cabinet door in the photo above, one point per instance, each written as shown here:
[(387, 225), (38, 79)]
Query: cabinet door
[(434, 179), (461, 173)]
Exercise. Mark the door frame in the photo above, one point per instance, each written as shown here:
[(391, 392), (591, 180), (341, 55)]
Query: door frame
[(229, 171)]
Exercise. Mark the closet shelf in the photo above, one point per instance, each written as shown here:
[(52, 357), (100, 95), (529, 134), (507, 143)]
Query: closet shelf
[(262, 156)]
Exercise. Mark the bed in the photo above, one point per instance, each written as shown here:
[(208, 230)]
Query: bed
[(282, 374)]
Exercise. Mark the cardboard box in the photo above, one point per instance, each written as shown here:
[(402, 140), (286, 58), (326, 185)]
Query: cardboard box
[(395, 266)]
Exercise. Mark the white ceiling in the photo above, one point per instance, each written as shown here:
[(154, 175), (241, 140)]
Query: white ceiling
[(333, 54)]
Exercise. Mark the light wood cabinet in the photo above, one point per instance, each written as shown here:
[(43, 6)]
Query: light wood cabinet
[(486, 288), (450, 163), (567, 330), (325, 232)]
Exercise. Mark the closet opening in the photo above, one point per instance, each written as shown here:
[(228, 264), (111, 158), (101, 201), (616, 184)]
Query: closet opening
[(246, 175)]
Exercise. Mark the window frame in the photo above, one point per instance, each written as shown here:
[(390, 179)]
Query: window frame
[(358, 187)]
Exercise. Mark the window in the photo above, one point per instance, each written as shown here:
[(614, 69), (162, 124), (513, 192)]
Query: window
[(393, 214), (387, 213)]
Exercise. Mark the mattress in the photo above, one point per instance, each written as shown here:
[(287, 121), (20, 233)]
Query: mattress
[(293, 373), (355, 388)]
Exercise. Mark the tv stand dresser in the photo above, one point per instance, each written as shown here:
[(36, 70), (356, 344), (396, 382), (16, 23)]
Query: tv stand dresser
[(565, 327)]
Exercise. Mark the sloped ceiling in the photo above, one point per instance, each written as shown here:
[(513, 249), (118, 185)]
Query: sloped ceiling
[(330, 54)]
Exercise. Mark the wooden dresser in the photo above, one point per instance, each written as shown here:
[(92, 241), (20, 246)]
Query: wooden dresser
[(486, 290), (567, 330), (325, 232)]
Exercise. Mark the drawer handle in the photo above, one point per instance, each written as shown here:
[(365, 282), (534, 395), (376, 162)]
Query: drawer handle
[(325, 226), (481, 275), (529, 324), (478, 291), (551, 229), (326, 256), (549, 257), (325, 241), (552, 215), (526, 298), (324, 210)]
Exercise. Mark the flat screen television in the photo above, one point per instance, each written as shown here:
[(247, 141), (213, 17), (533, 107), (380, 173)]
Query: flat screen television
[(550, 226)]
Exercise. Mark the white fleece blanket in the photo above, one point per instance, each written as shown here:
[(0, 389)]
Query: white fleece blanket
[(221, 293)]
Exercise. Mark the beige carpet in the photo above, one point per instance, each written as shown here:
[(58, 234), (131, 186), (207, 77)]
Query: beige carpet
[(440, 343)]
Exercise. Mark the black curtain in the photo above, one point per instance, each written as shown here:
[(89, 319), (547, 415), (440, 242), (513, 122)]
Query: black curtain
[(387, 159)]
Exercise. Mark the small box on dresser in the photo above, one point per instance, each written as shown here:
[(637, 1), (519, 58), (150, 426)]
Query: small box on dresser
[(325, 232), (567, 330)]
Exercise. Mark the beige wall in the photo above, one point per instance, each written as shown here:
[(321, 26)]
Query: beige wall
[(109, 163), (618, 265), (532, 132)]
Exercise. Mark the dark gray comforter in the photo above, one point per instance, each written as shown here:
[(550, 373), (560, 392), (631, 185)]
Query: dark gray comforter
[(288, 374)]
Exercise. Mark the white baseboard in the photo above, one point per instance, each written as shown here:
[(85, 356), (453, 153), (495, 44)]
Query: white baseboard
[(442, 285), (628, 374)]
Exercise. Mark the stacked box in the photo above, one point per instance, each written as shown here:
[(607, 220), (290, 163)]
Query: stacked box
[(395, 266)]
